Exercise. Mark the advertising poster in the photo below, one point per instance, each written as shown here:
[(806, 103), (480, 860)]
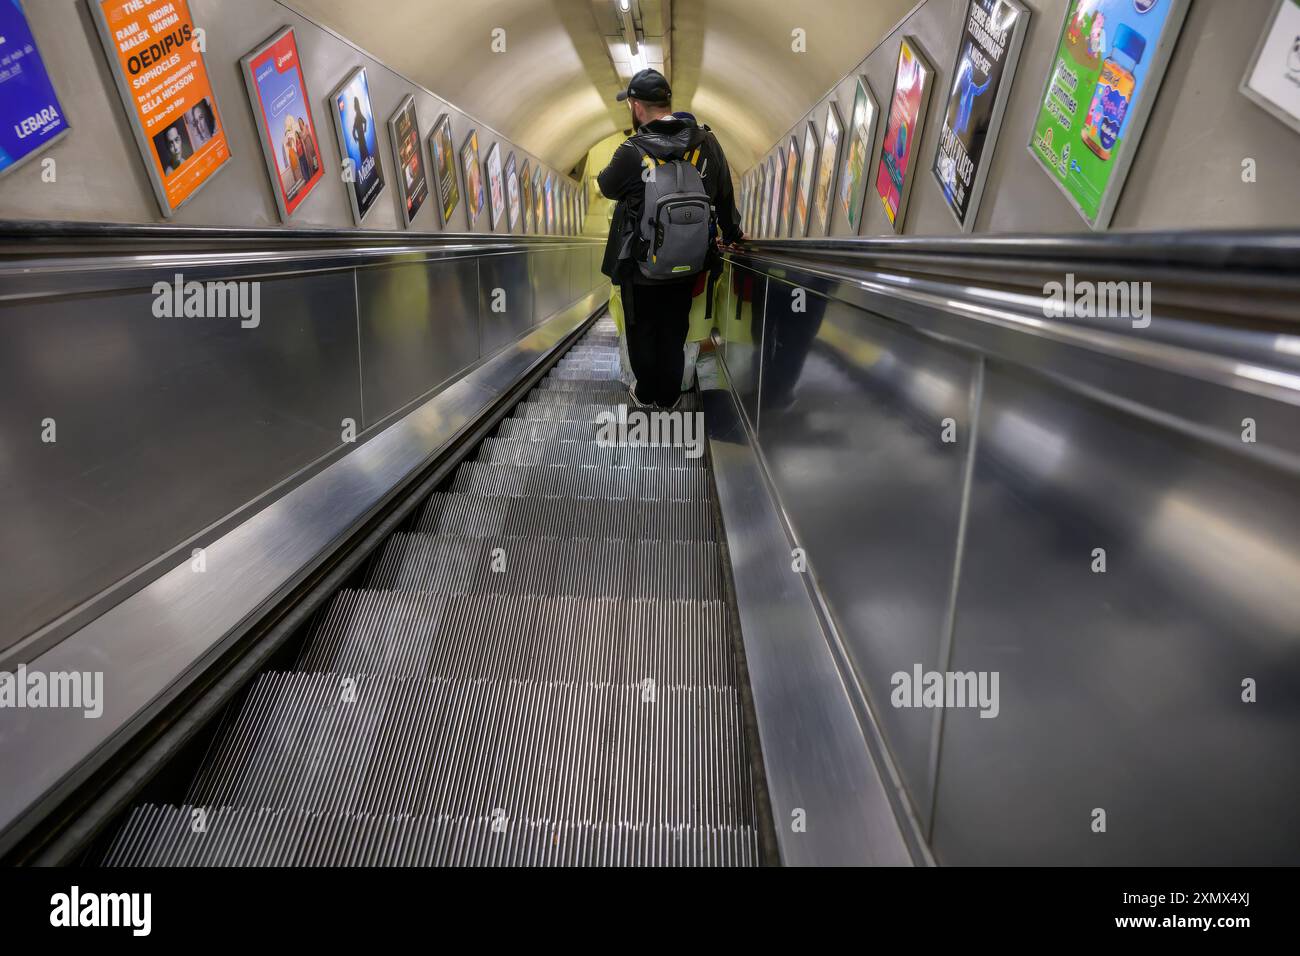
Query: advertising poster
[(1273, 79), (791, 183), (31, 118), (987, 52), (825, 183), (444, 167), (496, 184), (164, 85), (526, 197), (473, 172), (760, 198), (1109, 60), (408, 157), (862, 140), (539, 201), (903, 128), (550, 204), (282, 112), (512, 191), (358, 143), (776, 177), (807, 169)]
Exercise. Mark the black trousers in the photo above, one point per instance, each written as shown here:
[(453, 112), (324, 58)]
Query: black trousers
[(657, 323)]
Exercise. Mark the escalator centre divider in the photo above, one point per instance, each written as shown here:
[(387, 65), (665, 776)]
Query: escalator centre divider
[(541, 671)]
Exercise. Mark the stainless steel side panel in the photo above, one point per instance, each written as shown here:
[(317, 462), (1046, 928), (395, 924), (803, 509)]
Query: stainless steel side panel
[(417, 325), (163, 426), (507, 305), (1173, 446), (829, 805), (855, 411), (1122, 690), (148, 645)]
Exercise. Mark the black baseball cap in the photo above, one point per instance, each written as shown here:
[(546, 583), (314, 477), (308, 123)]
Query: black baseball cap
[(649, 86)]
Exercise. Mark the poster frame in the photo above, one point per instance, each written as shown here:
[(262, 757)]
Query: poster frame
[(863, 89), (268, 148), (808, 168), (789, 187), (922, 112), (832, 112), (1268, 106), (435, 151), (525, 195), (1137, 115), (1011, 60), (393, 138), (472, 212), (358, 216), (776, 167), (496, 210), (137, 131), (514, 210), (548, 203), (539, 200), (63, 114)]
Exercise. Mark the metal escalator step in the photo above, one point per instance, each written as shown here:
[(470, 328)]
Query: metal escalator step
[(537, 429), (440, 563), (592, 453), (481, 516), (497, 478), (377, 632), (537, 407), (523, 749), (604, 400), (549, 566), (464, 515), (159, 835), (523, 637)]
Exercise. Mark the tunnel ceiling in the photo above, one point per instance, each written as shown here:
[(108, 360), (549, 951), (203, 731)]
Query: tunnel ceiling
[(551, 91)]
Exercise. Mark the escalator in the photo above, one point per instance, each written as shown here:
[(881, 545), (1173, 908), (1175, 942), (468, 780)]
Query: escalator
[(538, 668)]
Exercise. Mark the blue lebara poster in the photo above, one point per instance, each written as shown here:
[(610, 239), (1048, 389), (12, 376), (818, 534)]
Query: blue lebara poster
[(30, 115), (359, 142)]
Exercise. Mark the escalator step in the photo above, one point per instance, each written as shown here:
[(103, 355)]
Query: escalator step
[(597, 567), (546, 751), (545, 481), (590, 454), (522, 637), (480, 516), (165, 836)]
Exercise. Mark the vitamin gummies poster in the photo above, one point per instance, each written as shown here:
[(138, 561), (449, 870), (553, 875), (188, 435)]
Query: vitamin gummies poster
[(1104, 76)]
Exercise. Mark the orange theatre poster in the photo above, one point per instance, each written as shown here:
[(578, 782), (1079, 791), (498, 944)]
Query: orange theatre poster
[(155, 53)]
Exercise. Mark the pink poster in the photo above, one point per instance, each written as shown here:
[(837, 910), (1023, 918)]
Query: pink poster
[(903, 131)]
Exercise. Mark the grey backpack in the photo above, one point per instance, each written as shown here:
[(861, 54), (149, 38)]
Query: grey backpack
[(673, 234)]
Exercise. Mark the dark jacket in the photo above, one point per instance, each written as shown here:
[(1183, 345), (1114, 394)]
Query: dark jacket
[(668, 138)]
